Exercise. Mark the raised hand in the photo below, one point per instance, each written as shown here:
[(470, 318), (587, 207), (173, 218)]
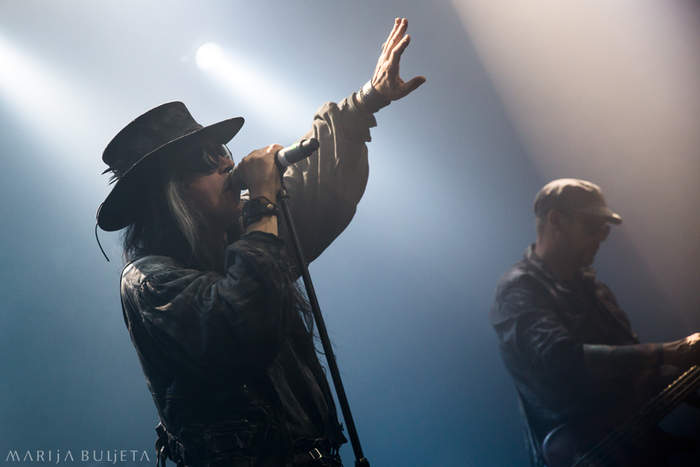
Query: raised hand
[(386, 79)]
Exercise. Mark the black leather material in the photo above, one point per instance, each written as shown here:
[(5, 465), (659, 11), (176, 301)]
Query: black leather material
[(227, 358), (542, 325)]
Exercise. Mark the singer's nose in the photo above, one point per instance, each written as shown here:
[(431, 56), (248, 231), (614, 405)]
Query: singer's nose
[(226, 165)]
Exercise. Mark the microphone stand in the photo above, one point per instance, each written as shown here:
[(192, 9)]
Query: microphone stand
[(360, 459)]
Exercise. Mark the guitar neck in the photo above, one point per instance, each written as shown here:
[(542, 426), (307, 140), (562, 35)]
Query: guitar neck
[(656, 409), (650, 415)]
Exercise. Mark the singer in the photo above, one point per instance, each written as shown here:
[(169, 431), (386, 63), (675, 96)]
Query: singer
[(224, 337)]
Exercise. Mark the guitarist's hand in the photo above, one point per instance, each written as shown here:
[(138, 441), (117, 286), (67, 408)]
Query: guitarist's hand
[(683, 352)]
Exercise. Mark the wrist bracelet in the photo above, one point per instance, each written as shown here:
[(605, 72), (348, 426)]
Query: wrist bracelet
[(371, 98), (257, 208)]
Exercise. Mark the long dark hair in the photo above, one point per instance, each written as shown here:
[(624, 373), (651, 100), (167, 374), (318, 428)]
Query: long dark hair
[(166, 224)]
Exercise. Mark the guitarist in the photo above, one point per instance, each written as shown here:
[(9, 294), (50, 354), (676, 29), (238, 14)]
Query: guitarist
[(567, 344)]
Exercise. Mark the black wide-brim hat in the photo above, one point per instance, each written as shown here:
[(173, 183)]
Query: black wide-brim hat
[(145, 145)]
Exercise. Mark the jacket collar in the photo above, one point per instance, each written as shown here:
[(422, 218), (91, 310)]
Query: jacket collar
[(586, 274)]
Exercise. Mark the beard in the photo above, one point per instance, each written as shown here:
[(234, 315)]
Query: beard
[(587, 255)]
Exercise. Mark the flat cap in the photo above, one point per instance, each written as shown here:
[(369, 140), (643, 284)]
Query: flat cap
[(572, 195)]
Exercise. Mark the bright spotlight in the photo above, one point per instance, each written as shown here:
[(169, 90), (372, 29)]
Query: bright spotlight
[(208, 55), (59, 105), (256, 86)]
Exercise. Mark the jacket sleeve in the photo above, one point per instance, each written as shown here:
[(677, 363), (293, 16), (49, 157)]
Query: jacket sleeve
[(326, 187), (201, 319), (532, 334)]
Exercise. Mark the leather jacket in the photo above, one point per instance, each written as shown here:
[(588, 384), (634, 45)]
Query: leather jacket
[(228, 357), (542, 324)]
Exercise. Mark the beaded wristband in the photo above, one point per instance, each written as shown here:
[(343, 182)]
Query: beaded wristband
[(257, 208)]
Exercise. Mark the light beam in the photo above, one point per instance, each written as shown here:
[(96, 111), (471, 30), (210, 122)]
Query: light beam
[(278, 106)]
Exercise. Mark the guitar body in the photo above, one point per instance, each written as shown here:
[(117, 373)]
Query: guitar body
[(567, 445), (614, 439)]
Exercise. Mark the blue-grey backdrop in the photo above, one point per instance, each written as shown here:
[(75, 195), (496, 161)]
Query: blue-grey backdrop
[(405, 289)]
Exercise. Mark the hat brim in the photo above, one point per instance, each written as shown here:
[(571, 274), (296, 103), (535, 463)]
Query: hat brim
[(116, 212), (603, 211)]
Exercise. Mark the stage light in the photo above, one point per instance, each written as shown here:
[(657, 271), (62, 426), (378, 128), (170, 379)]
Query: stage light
[(249, 83), (208, 55), (39, 94), (56, 106)]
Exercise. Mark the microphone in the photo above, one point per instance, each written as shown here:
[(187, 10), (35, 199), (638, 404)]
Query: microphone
[(283, 159), (296, 152)]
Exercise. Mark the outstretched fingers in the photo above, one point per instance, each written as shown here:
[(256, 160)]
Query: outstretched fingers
[(397, 32), (386, 77), (400, 31), (411, 85), (388, 40), (398, 50)]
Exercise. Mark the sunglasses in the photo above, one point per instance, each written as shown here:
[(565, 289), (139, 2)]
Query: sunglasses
[(594, 225), (204, 159)]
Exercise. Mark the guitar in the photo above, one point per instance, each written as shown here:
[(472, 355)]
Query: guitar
[(601, 445)]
